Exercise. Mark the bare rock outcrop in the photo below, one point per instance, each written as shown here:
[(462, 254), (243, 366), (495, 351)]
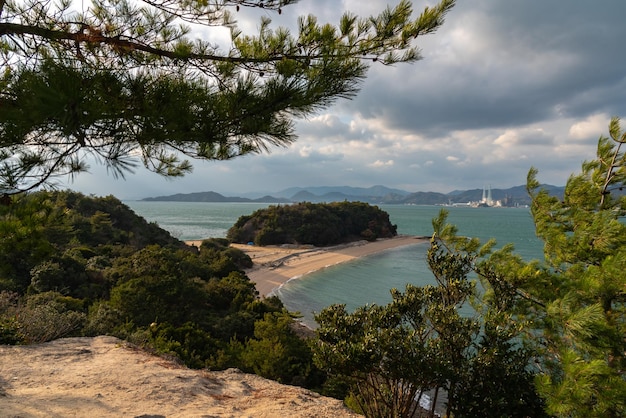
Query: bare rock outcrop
[(107, 377)]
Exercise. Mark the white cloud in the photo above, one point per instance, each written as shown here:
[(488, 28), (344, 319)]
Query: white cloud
[(305, 151), (591, 127), (507, 139), (379, 163)]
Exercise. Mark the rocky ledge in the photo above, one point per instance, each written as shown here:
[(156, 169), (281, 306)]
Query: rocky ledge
[(107, 377)]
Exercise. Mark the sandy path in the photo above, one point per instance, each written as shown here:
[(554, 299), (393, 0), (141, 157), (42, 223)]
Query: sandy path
[(275, 265)]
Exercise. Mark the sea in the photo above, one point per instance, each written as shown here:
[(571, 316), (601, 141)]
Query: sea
[(366, 280)]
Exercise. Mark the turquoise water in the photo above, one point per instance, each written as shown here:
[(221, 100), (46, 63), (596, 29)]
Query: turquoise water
[(191, 220), (365, 280)]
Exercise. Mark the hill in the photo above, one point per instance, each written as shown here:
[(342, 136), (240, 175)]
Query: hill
[(343, 191), (73, 266), (212, 197), (319, 224)]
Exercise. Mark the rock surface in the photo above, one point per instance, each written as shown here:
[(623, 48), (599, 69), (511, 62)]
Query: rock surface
[(107, 377)]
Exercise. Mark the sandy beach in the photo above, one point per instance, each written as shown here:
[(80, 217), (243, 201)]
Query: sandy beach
[(275, 265)]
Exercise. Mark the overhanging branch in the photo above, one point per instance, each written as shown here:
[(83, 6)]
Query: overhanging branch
[(93, 36)]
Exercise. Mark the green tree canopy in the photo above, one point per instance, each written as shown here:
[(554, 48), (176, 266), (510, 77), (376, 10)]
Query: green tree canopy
[(559, 321), (118, 79), (74, 265), (422, 344), (319, 224)]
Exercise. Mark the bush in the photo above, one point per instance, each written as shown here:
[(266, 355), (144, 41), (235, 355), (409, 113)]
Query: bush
[(79, 265), (102, 319), (278, 353), (188, 342), (9, 326), (46, 317), (10, 331)]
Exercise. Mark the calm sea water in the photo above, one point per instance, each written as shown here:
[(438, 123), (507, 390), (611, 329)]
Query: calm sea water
[(365, 280)]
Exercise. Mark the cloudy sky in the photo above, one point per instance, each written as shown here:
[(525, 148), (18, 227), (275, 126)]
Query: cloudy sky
[(503, 86)]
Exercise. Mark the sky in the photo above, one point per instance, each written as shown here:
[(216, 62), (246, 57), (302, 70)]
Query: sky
[(503, 86)]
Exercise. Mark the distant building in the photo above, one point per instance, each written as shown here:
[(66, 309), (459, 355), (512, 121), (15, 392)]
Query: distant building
[(487, 200)]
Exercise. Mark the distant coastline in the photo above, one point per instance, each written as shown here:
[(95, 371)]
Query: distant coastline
[(514, 196)]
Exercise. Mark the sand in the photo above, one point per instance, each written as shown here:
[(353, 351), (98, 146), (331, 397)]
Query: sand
[(275, 265)]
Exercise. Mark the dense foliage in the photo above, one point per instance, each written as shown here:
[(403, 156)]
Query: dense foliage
[(76, 265), (546, 337), (319, 224), (421, 345), (115, 79)]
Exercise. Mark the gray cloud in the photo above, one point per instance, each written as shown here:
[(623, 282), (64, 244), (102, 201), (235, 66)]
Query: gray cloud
[(501, 64), (503, 86)]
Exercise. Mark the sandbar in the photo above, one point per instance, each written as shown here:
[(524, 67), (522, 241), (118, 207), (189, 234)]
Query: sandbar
[(275, 265)]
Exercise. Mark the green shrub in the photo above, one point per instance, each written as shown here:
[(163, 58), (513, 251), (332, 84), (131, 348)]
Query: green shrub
[(277, 353), (46, 317), (188, 342), (102, 319), (10, 331)]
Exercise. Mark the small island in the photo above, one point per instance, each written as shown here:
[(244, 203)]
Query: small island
[(317, 224)]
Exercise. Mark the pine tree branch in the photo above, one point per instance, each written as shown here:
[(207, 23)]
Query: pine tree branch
[(136, 57), (90, 36), (610, 172)]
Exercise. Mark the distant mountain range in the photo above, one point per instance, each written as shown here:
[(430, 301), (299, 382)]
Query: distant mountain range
[(213, 197), (513, 196)]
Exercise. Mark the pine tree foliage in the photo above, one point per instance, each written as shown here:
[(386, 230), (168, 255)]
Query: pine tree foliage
[(119, 79), (570, 306), (581, 288)]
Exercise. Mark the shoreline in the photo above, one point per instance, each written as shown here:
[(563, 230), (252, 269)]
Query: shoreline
[(276, 265)]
